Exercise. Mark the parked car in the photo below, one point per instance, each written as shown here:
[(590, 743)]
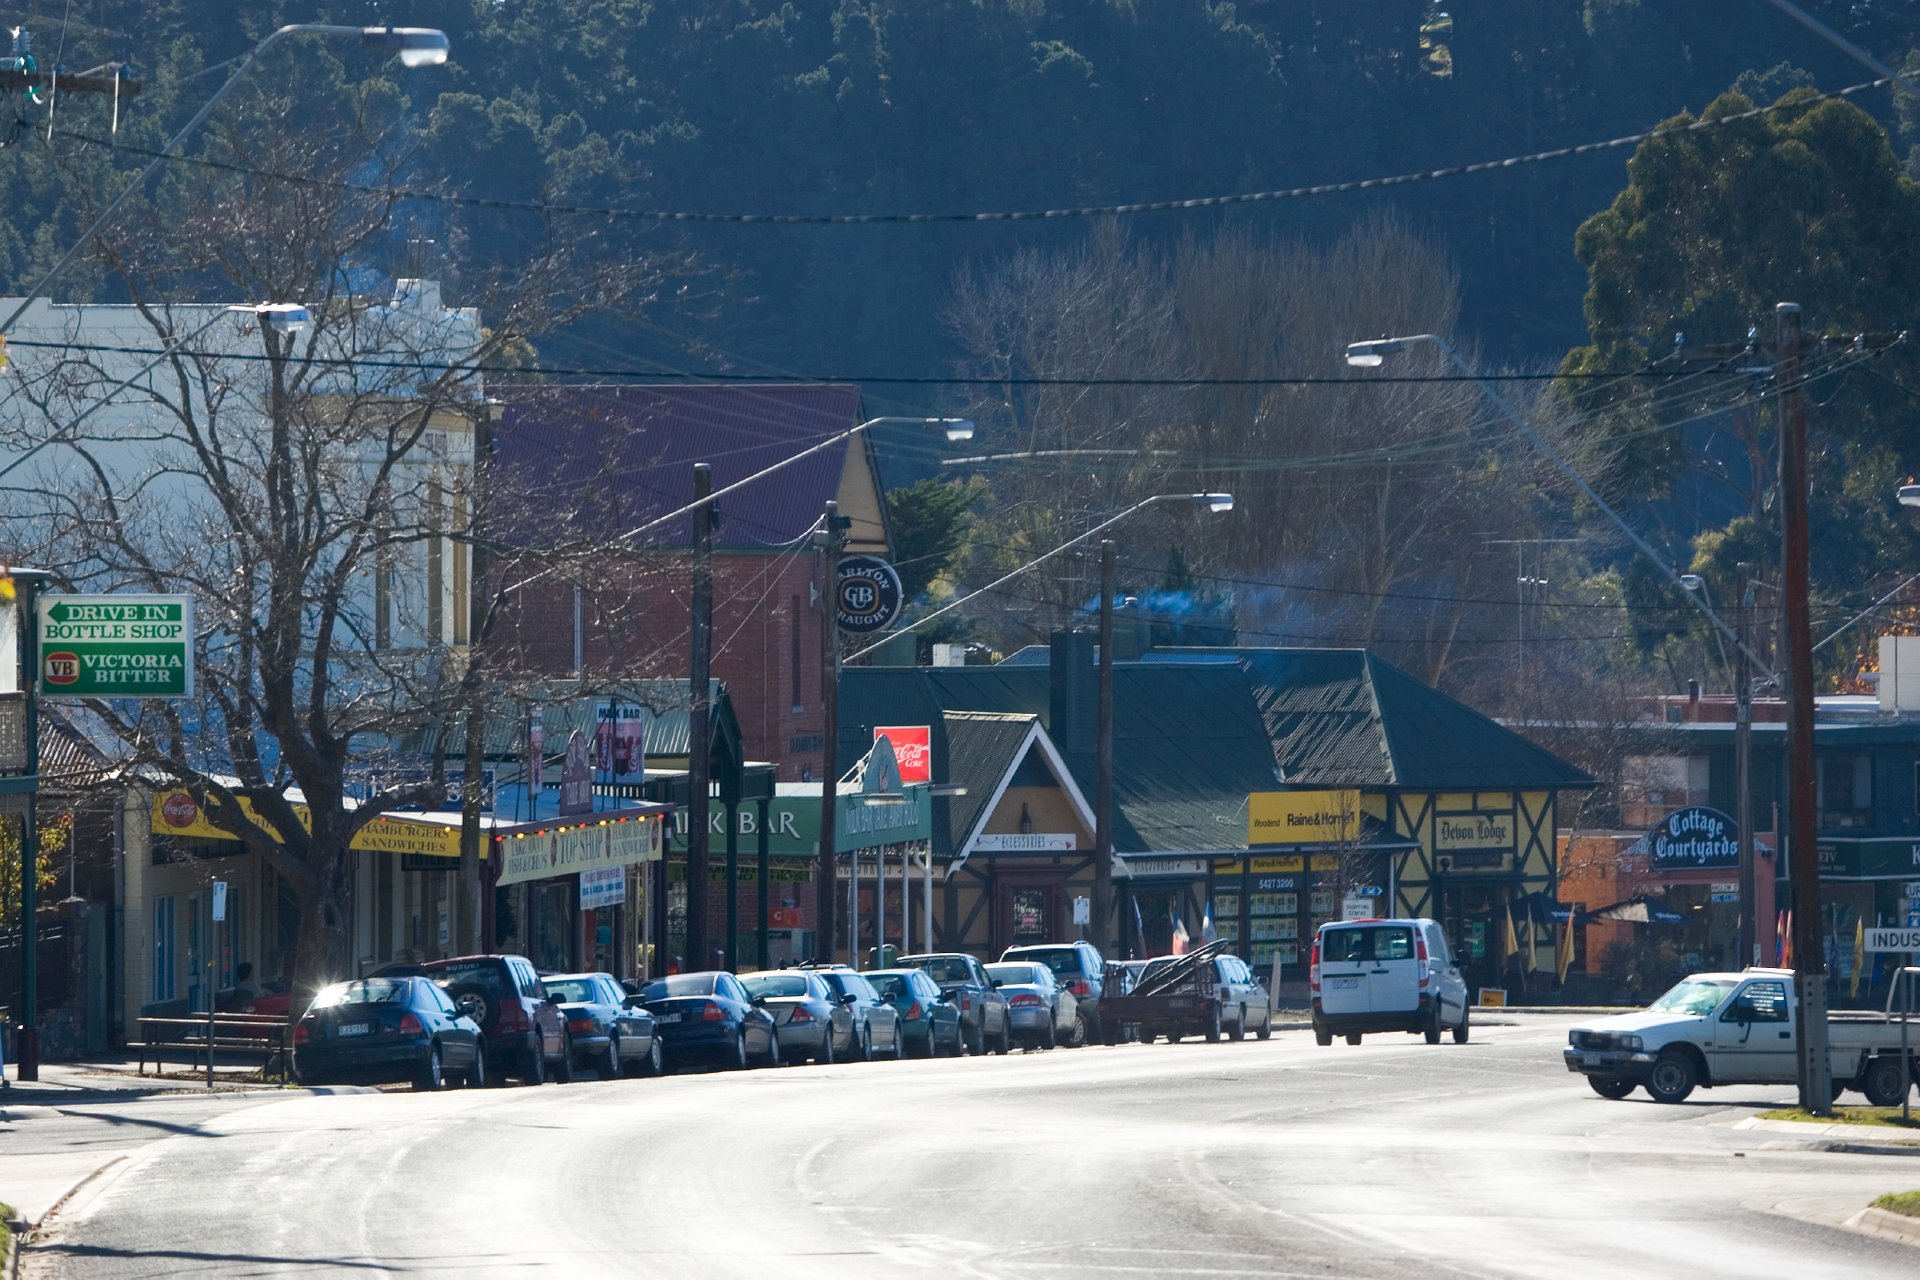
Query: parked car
[(813, 1021), (1079, 968), (1044, 1013), (1385, 975), (379, 1030), (606, 1025), (708, 1015), (929, 1022), (983, 1010), (1244, 1003), (526, 1035), (876, 1022)]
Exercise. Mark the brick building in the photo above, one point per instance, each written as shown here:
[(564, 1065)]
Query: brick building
[(585, 466)]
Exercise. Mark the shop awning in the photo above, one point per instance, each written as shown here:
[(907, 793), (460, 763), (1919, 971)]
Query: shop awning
[(1639, 909)]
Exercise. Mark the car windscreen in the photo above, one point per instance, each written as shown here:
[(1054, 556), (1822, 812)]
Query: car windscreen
[(679, 984), (945, 968), (774, 984), (1058, 959), (890, 986), (571, 990), (1367, 942), (365, 991), (848, 984), (1015, 974), (1698, 998), (484, 976)]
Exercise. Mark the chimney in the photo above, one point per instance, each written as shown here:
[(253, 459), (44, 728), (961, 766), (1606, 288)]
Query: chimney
[(1693, 692), (1073, 691)]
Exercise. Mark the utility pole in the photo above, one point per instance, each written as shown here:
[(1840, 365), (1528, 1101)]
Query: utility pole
[(466, 904), (1103, 752), (700, 725), (1815, 1071), (833, 542), (1749, 952)]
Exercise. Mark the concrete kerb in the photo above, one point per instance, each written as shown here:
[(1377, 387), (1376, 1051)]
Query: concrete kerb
[(1891, 1226), (1849, 1139)]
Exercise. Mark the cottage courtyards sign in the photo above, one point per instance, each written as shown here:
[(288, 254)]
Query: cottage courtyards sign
[(1693, 839)]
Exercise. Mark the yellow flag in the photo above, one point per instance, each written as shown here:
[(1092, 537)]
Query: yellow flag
[(1859, 952), (1564, 961), (1509, 944)]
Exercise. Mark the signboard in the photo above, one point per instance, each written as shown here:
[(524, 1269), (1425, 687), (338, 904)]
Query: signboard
[(1871, 858), (603, 887), (115, 646), (1030, 842), (576, 777), (1693, 839), (867, 596), (1893, 939), (1082, 910), (565, 852), (176, 813), (620, 741), (1356, 907), (1303, 817), (219, 901), (1456, 831), (912, 750), (860, 824)]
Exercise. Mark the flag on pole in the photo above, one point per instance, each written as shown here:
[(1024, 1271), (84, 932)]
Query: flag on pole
[(1509, 945), (1860, 956), (1207, 931), (1564, 961), (1533, 944), (1180, 936), (1786, 939)]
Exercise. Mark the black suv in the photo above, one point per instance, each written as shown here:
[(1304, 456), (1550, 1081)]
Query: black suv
[(522, 1027), (983, 1010)]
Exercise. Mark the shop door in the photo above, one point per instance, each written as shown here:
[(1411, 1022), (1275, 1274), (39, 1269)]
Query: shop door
[(1030, 910)]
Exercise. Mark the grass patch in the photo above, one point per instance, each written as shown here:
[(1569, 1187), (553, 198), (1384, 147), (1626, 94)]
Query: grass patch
[(6, 1232), (1907, 1202), (1884, 1117)]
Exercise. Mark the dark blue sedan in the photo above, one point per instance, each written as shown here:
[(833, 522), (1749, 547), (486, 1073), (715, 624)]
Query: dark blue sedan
[(708, 1016), (380, 1030)]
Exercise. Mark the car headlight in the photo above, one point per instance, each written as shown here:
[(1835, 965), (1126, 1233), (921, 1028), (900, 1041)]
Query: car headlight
[(1631, 1044)]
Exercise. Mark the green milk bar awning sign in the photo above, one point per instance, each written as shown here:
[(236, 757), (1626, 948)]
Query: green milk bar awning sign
[(115, 646)]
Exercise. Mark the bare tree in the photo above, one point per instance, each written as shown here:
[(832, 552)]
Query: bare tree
[(317, 493)]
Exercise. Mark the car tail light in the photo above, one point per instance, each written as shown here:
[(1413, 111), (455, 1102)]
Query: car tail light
[(580, 1026), (511, 1017), (300, 1033), (711, 1012), (1079, 987), (1024, 1002), (913, 1012), (410, 1024), (1313, 968), (1420, 955), (800, 1014)]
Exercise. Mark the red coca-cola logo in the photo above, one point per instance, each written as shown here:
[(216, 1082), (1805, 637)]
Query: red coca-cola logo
[(179, 809)]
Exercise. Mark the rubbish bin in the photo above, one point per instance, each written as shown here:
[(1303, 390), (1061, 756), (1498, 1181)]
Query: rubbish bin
[(885, 956)]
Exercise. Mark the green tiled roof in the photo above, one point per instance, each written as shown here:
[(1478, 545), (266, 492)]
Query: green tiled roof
[(980, 749)]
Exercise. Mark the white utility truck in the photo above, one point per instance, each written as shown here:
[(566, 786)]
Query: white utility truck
[(1739, 1028)]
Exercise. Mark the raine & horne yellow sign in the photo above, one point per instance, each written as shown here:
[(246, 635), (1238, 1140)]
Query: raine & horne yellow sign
[(1303, 817)]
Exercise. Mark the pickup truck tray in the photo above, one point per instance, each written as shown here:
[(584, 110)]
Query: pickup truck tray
[(1180, 1000)]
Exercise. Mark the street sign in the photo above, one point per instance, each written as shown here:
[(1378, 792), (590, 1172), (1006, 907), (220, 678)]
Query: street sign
[(115, 646), (1369, 891), (1893, 939), (1356, 907), (219, 899), (867, 597)]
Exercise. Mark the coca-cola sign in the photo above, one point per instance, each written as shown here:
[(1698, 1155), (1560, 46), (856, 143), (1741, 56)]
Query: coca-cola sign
[(912, 749)]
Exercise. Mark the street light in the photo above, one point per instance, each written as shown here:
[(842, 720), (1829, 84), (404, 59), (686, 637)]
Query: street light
[(1370, 355), (417, 47), (1910, 495)]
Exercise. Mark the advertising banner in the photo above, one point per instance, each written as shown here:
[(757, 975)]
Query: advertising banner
[(1303, 817), (912, 748), (620, 741), (117, 646)]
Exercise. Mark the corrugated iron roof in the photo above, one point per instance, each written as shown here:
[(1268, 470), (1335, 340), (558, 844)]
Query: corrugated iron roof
[(980, 749), (597, 461)]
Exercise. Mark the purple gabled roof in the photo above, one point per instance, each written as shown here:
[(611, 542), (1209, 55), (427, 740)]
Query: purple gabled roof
[(593, 462)]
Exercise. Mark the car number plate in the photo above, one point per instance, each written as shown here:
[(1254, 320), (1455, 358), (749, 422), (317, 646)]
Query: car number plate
[(667, 1017), (354, 1028), (1589, 1059), (1343, 984)]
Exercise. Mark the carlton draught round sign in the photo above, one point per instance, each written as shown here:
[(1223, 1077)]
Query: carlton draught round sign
[(867, 597)]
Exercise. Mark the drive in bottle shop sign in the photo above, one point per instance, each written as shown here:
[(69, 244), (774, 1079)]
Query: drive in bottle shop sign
[(115, 646)]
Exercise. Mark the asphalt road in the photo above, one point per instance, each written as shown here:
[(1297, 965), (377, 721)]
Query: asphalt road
[(1278, 1159)]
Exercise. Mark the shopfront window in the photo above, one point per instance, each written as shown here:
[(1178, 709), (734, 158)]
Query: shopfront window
[(163, 952), (1846, 791)]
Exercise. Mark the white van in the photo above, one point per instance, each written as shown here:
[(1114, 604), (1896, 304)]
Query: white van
[(1385, 975)]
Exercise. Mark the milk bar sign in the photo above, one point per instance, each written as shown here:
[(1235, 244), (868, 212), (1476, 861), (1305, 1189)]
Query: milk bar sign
[(115, 646)]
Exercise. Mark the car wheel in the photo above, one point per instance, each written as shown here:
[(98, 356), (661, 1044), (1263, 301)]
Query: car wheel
[(1322, 1036), (655, 1063), (1432, 1030), (610, 1060), (1004, 1045), (977, 1044), (1885, 1082), (1612, 1088), (1673, 1077), (737, 1061), (482, 1006), (430, 1078), (824, 1054), (1239, 1031), (1078, 1036), (1460, 1028), (1173, 1037), (536, 1072), (1266, 1026), (1353, 1037), (476, 1077), (1051, 1038), (1212, 1030), (863, 1046), (563, 1073)]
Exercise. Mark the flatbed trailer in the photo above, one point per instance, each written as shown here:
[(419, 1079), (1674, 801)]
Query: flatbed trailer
[(1181, 999)]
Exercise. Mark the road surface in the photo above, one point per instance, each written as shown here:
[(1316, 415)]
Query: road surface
[(1394, 1158)]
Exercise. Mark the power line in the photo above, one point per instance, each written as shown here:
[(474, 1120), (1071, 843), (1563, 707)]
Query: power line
[(1014, 215)]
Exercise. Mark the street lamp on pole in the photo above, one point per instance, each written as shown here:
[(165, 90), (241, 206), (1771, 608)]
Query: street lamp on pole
[(416, 47)]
